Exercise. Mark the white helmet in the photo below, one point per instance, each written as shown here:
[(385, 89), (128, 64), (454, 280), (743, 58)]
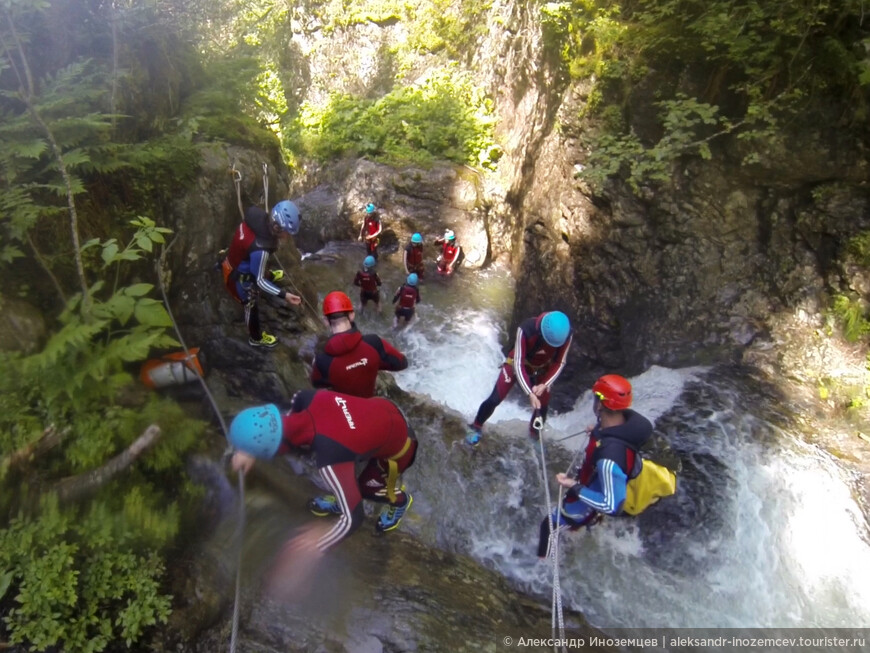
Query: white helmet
[(449, 235)]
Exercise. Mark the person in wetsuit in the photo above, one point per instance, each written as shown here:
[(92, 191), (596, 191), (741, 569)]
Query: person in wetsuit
[(340, 430), (350, 361), (413, 256), (245, 270), (535, 362), (369, 283), (450, 253), (406, 299), (370, 230), (612, 458)]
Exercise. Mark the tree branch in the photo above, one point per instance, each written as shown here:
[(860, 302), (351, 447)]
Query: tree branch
[(50, 438), (27, 95), (75, 487)]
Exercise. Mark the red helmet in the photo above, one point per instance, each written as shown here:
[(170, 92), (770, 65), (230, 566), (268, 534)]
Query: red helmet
[(336, 302), (614, 391)]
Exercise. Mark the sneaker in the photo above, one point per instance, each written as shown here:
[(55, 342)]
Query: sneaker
[(473, 436), (324, 506), (266, 340), (277, 275), (392, 515)]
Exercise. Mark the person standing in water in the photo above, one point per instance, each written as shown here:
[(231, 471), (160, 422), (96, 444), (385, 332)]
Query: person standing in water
[(535, 362)]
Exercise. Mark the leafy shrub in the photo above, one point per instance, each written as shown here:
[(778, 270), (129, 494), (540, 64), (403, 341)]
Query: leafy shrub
[(443, 117)]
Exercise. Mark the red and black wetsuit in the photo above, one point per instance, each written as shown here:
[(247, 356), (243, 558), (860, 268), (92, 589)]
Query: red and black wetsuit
[(414, 259), (407, 297), (449, 253), (350, 363), (368, 283), (342, 430), (245, 266), (371, 229), (531, 362)]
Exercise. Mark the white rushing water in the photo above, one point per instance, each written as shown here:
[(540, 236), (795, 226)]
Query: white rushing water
[(764, 530)]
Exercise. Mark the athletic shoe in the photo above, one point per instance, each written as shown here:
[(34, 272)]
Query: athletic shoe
[(266, 340), (473, 436), (277, 275), (392, 515), (324, 506)]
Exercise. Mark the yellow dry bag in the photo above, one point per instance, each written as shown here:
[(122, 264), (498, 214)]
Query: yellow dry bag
[(653, 483)]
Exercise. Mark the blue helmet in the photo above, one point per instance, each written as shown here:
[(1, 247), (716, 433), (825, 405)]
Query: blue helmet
[(286, 215), (412, 279), (417, 239), (555, 328), (371, 208), (257, 431), (369, 262)]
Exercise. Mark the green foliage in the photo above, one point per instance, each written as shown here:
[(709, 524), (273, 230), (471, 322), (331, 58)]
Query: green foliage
[(859, 248), (77, 581), (99, 336), (235, 97), (84, 576), (443, 117), (851, 316), (739, 69), (453, 26)]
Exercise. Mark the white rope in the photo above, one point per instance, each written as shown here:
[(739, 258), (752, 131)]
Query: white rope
[(557, 619), (237, 180), (557, 615), (237, 601), (266, 187)]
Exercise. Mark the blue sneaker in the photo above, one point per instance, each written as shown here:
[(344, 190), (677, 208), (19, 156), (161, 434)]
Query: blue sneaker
[(473, 436), (324, 506), (392, 515)]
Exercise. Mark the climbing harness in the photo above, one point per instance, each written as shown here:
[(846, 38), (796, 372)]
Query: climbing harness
[(223, 425)]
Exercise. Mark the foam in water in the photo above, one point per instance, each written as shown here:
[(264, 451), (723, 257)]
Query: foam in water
[(763, 531)]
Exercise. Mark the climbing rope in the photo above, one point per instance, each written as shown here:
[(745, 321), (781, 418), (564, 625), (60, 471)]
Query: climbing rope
[(237, 180), (557, 622), (299, 293), (266, 187), (237, 600), (241, 528)]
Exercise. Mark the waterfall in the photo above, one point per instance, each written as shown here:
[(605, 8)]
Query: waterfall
[(763, 532)]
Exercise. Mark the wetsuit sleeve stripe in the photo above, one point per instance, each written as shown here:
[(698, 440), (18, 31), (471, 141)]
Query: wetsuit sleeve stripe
[(557, 370), (258, 261), (612, 481), (519, 357), (351, 506)]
